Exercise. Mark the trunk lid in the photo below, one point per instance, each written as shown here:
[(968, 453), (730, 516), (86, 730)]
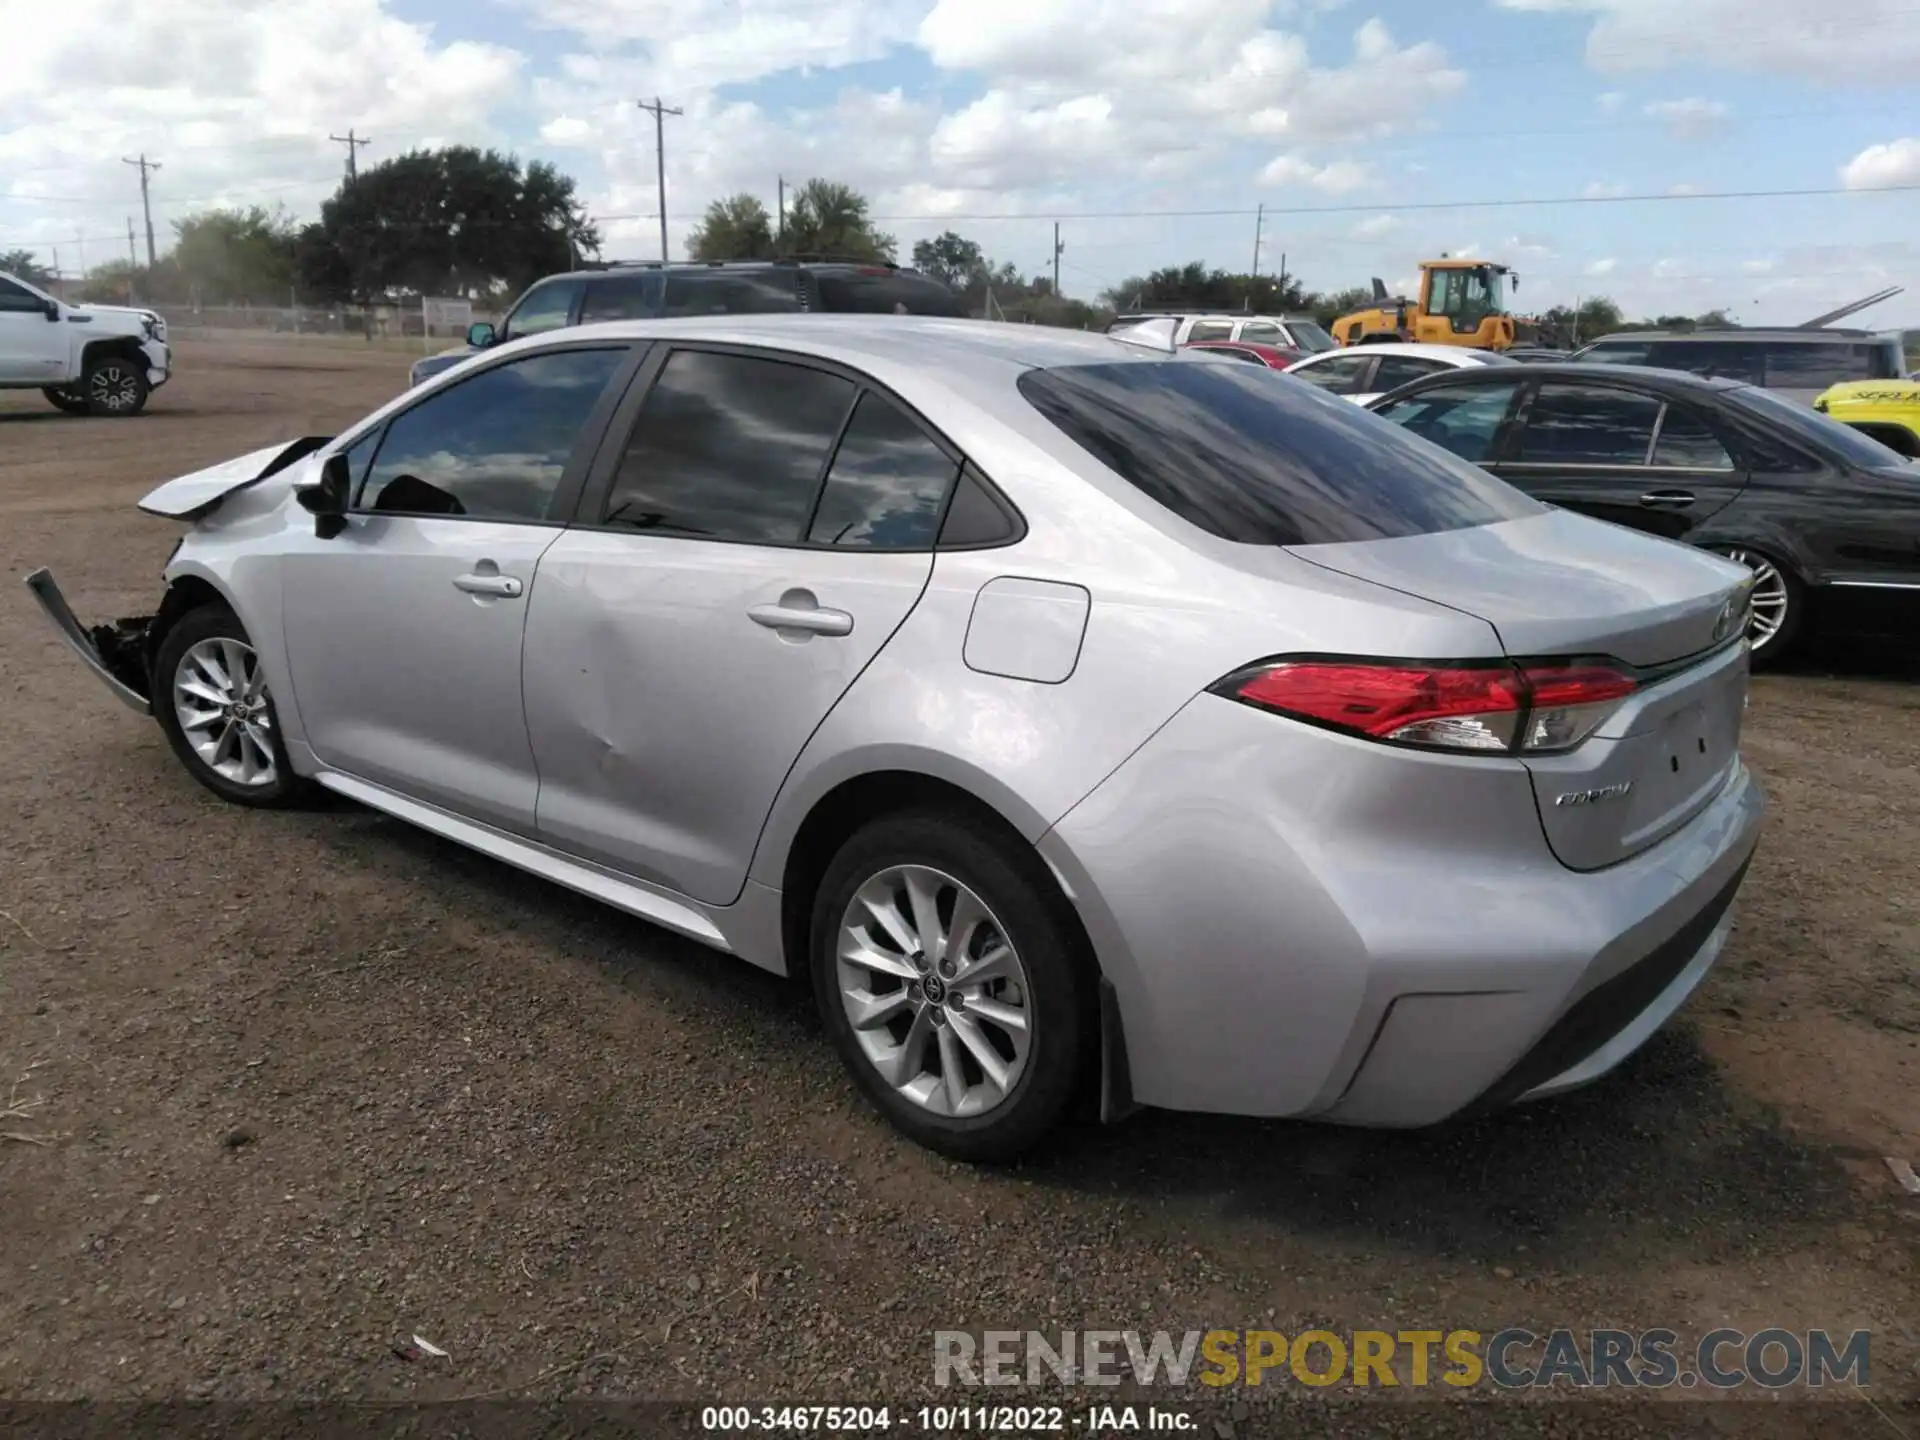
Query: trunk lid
[(1560, 584)]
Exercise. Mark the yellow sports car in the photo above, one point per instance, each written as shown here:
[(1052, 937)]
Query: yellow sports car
[(1888, 410)]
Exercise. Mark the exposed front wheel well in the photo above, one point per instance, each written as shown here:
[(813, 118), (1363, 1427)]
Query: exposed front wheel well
[(124, 345), (183, 597)]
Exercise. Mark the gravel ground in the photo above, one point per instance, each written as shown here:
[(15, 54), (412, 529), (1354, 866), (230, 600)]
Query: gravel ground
[(299, 1086)]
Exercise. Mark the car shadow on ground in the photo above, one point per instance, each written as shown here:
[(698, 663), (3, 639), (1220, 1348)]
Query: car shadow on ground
[(1854, 655), (1659, 1157)]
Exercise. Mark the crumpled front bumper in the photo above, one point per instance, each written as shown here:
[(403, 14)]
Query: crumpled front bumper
[(116, 653)]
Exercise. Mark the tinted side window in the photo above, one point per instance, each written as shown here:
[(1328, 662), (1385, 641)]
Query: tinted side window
[(1397, 370), (545, 307), (1816, 366), (732, 292), (1588, 425), (1261, 332), (1463, 419), (1249, 458), (493, 447), (886, 485), (1729, 360), (17, 298), (1631, 352), (729, 447), (1210, 330), (864, 291), (1686, 441), (1336, 374), (622, 297)]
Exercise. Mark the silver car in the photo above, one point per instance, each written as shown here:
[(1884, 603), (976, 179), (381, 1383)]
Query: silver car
[(1071, 718)]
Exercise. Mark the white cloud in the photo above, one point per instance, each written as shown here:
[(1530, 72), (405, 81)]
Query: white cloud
[(1603, 190), (1611, 101), (1862, 42), (1376, 227), (1601, 267), (1895, 163), (1341, 177), (1694, 118), (1684, 187)]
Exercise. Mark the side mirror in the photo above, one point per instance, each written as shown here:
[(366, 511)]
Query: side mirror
[(53, 310), (479, 335), (327, 500)]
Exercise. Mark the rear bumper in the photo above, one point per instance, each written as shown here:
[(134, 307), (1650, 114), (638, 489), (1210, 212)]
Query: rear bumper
[(116, 654), (1298, 924)]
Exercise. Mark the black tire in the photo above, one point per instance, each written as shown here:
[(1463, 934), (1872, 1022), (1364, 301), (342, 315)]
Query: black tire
[(1772, 650), (72, 402), (211, 622), (116, 387), (1036, 921)]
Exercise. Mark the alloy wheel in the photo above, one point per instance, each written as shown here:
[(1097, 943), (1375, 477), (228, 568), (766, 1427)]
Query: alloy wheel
[(114, 388), (936, 995), (1770, 597), (220, 698)]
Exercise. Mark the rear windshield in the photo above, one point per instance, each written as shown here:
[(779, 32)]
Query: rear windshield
[(882, 292), (1826, 437), (1310, 337), (1808, 365), (1259, 458)]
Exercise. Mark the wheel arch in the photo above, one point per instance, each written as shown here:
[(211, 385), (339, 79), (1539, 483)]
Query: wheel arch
[(125, 346), (186, 593)]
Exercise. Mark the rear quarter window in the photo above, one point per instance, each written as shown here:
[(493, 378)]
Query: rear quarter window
[(1259, 459), (882, 292)]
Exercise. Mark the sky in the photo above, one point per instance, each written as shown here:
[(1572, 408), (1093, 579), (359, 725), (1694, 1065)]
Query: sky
[(1583, 142)]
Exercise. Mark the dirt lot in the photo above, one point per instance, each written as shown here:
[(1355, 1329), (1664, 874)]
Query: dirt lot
[(303, 1085)]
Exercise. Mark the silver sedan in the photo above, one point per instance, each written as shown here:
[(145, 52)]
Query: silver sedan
[(1071, 719)]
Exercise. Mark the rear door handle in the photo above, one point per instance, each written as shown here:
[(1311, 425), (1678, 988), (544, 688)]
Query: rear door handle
[(1667, 499), (813, 620), (504, 586)]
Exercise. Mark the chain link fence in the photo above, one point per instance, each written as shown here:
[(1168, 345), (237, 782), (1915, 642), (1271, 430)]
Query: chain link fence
[(428, 321)]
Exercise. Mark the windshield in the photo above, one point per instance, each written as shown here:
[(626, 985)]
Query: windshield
[(1826, 437), (1309, 337)]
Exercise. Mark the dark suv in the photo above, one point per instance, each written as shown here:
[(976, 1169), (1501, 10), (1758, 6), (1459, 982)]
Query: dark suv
[(651, 290), (1797, 364)]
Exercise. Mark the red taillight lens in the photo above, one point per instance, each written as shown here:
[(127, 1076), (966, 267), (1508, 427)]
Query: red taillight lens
[(1497, 709)]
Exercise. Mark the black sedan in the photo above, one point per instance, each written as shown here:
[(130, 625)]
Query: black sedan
[(1820, 513)]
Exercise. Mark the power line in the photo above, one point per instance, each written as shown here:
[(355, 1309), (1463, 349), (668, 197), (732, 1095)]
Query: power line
[(660, 113), (353, 143)]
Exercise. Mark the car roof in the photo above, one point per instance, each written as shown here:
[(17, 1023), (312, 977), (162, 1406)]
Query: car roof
[(1465, 357), (1643, 377), (634, 267), (931, 342), (1774, 336)]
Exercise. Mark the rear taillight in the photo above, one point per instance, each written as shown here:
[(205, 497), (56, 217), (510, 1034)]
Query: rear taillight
[(1535, 708)]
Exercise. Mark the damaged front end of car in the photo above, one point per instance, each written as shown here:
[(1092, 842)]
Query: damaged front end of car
[(118, 654)]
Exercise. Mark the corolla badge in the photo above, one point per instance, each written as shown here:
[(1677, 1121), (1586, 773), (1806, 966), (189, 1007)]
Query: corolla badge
[(1594, 797)]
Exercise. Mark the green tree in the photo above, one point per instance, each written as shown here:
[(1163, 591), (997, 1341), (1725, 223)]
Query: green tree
[(23, 264), (458, 221), (1193, 286), (951, 259), (736, 228), (830, 219), (229, 257), (1330, 307)]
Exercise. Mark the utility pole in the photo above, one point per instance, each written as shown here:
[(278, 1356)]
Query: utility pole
[(133, 262), (59, 280), (353, 143), (146, 205), (660, 113), (1259, 223), (781, 238), (1057, 248)]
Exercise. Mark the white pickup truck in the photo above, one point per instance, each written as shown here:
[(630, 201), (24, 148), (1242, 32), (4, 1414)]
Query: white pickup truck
[(86, 359)]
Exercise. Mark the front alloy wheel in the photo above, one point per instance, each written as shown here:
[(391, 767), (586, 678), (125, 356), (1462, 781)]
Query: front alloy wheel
[(210, 696), (220, 699), (116, 387)]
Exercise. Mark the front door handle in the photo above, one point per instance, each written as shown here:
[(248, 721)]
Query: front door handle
[(1667, 499), (505, 587), (811, 619)]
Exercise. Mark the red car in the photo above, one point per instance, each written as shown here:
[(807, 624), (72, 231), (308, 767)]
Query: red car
[(1274, 357)]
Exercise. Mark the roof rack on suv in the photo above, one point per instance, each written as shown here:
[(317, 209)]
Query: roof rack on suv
[(796, 259)]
